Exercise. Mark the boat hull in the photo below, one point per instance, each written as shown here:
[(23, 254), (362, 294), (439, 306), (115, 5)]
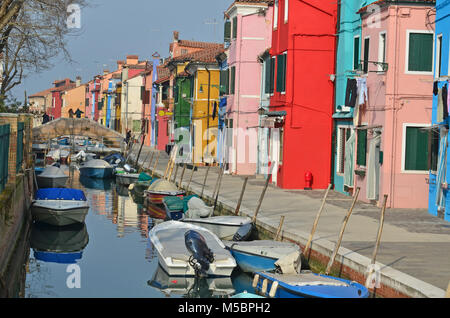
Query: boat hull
[(347, 289), (157, 197), (250, 263), (59, 216), (219, 225), (97, 173), (126, 179), (51, 182)]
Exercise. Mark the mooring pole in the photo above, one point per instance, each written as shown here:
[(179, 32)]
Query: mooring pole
[(261, 199), (341, 234), (222, 172), (156, 163), (447, 294), (377, 244), (316, 221), (238, 207), (190, 179), (182, 176), (279, 228), (204, 181)]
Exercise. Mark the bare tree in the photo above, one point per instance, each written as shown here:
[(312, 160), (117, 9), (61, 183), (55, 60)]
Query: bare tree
[(32, 33)]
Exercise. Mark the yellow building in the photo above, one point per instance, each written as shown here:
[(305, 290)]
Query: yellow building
[(205, 101), (74, 99)]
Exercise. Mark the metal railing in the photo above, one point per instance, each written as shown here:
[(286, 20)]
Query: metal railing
[(4, 155)]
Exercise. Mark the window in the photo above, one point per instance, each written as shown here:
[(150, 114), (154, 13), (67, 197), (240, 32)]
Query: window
[(361, 148), (416, 148), (175, 93), (275, 15), (382, 51), (235, 27), (366, 55), (439, 55), (343, 135), (184, 51), (433, 144), (137, 125), (280, 161), (286, 10), (224, 82), (356, 62), (227, 31), (420, 52), (281, 73), (232, 80), (272, 75), (267, 75)]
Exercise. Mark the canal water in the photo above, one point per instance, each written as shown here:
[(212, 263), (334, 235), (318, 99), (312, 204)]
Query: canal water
[(113, 256)]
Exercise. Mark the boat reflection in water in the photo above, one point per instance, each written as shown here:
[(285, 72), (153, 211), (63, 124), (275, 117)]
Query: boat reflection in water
[(62, 245), (122, 190), (96, 184), (191, 287)]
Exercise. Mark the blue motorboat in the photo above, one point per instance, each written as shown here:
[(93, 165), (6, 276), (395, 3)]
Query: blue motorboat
[(265, 255), (115, 159), (306, 285), (96, 168)]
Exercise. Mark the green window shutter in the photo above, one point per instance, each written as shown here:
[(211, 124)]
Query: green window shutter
[(356, 53), (232, 80), (416, 150), (366, 55), (272, 75), (420, 55), (235, 27), (175, 93), (227, 31), (267, 75), (361, 151), (224, 82), (281, 73)]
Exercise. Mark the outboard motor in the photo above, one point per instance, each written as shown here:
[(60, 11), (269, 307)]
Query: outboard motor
[(201, 255), (243, 233), (127, 167)]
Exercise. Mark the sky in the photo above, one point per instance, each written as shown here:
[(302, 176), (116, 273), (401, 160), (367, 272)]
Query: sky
[(112, 29)]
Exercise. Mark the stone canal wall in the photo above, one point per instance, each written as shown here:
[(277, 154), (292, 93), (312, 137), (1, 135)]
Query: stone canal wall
[(15, 200)]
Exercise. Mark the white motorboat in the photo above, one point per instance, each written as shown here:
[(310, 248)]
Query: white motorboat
[(175, 250)]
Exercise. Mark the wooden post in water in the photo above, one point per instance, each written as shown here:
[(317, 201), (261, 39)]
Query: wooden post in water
[(261, 198), (156, 163), (341, 234), (173, 164), (151, 160), (238, 207), (190, 179), (181, 177), (277, 236), (176, 173), (143, 162), (216, 197), (377, 244), (217, 182), (204, 181), (316, 221), (447, 294)]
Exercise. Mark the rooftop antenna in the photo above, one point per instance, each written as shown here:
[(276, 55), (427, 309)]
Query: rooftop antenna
[(212, 22)]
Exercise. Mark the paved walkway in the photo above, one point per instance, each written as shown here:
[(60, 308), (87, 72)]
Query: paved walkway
[(413, 242)]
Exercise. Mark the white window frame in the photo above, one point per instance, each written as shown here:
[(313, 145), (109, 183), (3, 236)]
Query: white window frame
[(406, 125), (354, 50), (382, 50), (339, 147), (408, 32), (275, 14), (286, 11), (439, 42)]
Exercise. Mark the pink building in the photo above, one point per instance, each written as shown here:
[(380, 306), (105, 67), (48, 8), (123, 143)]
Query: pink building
[(250, 35), (397, 65)]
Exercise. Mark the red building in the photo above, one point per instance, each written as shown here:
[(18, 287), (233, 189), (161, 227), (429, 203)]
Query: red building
[(302, 92), (59, 87)]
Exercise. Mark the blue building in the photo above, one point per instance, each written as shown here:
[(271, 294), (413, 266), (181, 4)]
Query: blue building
[(348, 65), (439, 198)]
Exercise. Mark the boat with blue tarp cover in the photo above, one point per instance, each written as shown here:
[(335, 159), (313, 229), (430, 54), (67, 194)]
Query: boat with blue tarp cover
[(306, 284), (59, 206)]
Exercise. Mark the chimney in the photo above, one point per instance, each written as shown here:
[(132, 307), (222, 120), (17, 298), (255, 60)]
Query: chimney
[(132, 59), (120, 65), (176, 35), (105, 72), (78, 81)]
